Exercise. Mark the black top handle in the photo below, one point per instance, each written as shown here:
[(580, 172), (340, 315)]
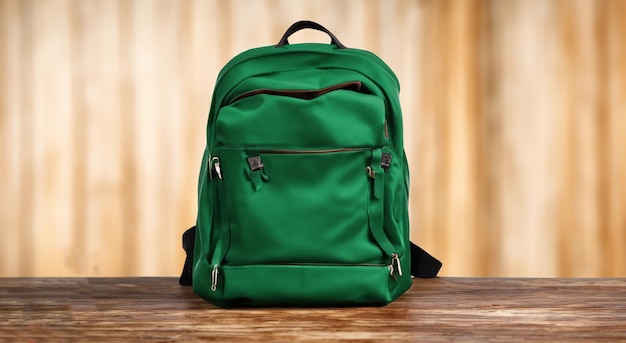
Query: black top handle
[(306, 24)]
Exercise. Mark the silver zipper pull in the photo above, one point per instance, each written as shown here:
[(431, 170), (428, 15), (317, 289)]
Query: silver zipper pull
[(214, 277), (395, 269), (218, 170), (215, 162), (396, 258)]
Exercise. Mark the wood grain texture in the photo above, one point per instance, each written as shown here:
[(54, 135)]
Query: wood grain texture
[(514, 126), (437, 310)]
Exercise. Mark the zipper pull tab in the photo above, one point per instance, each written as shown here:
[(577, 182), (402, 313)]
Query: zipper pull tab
[(256, 172), (395, 269), (376, 173), (385, 161), (218, 170), (215, 163), (395, 257), (214, 277)]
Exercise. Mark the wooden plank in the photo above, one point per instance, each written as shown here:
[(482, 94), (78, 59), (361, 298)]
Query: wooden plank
[(442, 309)]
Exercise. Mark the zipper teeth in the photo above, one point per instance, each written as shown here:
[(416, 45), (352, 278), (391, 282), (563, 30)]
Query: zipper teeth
[(306, 94), (313, 264), (302, 151)]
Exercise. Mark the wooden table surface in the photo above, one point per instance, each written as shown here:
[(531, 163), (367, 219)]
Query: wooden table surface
[(442, 310)]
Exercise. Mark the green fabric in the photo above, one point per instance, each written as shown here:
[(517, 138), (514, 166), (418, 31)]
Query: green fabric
[(318, 223)]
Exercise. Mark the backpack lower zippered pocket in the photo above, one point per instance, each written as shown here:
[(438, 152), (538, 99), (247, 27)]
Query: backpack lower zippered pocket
[(319, 206), (305, 285)]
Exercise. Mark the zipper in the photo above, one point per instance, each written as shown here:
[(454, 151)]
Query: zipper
[(312, 264), (214, 166), (304, 151), (301, 93), (396, 271), (214, 277), (255, 163)]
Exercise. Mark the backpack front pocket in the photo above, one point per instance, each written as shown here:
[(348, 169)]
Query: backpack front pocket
[(339, 115), (306, 285), (302, 206)]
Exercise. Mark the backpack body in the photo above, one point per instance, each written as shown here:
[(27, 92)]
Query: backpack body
[(303, 189)]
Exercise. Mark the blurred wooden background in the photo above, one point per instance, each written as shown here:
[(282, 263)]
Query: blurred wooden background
[(515, 115)]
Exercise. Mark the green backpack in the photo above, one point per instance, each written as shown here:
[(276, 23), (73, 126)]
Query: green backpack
[(303, 189)]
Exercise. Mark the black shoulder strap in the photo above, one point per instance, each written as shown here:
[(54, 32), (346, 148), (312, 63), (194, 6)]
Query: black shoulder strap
[(189, 240), (423, 265)]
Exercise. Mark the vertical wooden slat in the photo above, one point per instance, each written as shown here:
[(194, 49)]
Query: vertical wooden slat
[(614, 254), (100, 227), (584, 92), (521, 111), (427, 132), (5, 133), (171, 17), (77, 254), (48, 93), (490, 133), (465, 199), (147, 119), (26, 185), (10, 257), (128, 197), (182, 196), (447, 196)]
